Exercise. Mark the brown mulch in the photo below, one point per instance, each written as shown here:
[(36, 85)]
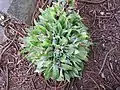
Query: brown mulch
[(102, 70)]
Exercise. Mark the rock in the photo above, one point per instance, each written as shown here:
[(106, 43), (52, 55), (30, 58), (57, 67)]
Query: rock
[(2, 35), (4, 5), (22, 9), (3, 38)]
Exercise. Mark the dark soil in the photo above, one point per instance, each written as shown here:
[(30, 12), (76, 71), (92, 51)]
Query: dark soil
[(102, 70)]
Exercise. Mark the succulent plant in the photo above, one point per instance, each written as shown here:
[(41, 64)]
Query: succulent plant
[(58, 44)]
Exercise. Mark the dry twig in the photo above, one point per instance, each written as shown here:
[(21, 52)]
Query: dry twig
[(104, 61), (94, 81), (112, 73), (7, 46)]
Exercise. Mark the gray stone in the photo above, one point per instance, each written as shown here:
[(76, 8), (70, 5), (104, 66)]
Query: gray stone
[(2, 35), (4, 5), (22, 9)]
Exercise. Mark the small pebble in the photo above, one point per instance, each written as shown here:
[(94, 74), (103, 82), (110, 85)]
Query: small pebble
[(1, 17), (102, 13), (103, 45), (102, 75), (116, 61)]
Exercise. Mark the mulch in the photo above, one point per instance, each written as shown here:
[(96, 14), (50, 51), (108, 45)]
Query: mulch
[(102, 71)]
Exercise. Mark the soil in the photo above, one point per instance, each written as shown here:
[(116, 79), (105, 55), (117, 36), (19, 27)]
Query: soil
[(102, 71)]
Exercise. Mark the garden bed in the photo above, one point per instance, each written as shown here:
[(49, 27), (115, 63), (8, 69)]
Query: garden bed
[(102, 71), (103, 68)]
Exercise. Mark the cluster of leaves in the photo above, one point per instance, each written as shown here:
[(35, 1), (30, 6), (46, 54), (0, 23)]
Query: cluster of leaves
[(58, 44)]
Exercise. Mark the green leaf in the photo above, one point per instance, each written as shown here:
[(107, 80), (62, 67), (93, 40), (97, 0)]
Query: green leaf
[(82, 53), (35, 31), (46, 63), (66, 67), (63, 41), (77, 51), (84, 35), (59, 28), (43, 29), (71, 49), (62, 19), (55, 72), (63, 59), (48, 72), (69, 32), (71, 2), (72, 74), (67, 24), (49, 49), (77, 66), (61, 77), (67, 77), (46, 43), (75, 71), (39, 66), (81, 65)]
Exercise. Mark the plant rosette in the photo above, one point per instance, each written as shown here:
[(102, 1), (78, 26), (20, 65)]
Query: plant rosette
[(58, 44)]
